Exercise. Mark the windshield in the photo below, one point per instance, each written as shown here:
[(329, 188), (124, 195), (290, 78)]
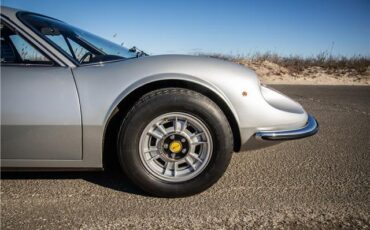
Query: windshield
[(79, 45)]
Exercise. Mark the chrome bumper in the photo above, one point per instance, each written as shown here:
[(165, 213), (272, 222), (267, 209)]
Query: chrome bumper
[(309, 129)]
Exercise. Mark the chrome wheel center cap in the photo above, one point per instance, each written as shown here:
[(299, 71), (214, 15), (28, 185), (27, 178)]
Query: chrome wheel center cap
[(175, 146)]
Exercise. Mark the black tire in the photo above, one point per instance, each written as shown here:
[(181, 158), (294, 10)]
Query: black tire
[(164, 101)]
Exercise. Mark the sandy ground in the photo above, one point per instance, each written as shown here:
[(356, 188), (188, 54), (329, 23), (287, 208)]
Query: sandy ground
[(271, 73)]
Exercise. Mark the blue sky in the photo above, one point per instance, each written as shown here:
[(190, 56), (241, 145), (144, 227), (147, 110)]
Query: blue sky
[(298, 27)]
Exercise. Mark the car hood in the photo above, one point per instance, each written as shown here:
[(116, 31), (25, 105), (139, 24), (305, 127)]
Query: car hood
[(200, 66)]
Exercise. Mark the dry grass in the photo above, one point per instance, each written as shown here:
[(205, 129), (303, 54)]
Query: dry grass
[(296, 64), (323, 68)]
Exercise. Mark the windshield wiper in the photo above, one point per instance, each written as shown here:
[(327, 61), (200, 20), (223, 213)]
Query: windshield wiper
[(138, 51)]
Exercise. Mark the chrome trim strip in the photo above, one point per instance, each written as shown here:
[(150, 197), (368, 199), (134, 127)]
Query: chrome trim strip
[(311, 128)]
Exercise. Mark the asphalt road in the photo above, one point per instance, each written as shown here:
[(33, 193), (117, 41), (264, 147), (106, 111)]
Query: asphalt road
[(318, 182)]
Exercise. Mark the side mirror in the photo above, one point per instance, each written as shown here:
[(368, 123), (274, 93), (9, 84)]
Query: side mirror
[(133, 49)]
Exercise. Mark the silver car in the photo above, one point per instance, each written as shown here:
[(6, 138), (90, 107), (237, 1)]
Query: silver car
[(70, 98)]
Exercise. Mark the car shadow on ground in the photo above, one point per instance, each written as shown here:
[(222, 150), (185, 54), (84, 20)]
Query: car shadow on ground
[(109, 178)]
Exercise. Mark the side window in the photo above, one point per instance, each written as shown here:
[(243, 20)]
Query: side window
[(78, 50), (61, 42), (72, 48), (16, 50)]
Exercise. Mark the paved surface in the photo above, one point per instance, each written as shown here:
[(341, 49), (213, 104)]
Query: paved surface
[(319, 182)]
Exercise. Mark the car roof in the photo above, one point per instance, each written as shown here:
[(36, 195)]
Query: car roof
[(7, 11)]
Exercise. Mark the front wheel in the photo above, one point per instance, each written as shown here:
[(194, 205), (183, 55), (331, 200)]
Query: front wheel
[(175, 142)]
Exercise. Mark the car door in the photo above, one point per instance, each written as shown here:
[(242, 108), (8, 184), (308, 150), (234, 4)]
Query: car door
[(40, 110)]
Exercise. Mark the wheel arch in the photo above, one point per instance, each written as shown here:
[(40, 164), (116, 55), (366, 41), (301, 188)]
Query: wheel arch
[(125, 103)]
